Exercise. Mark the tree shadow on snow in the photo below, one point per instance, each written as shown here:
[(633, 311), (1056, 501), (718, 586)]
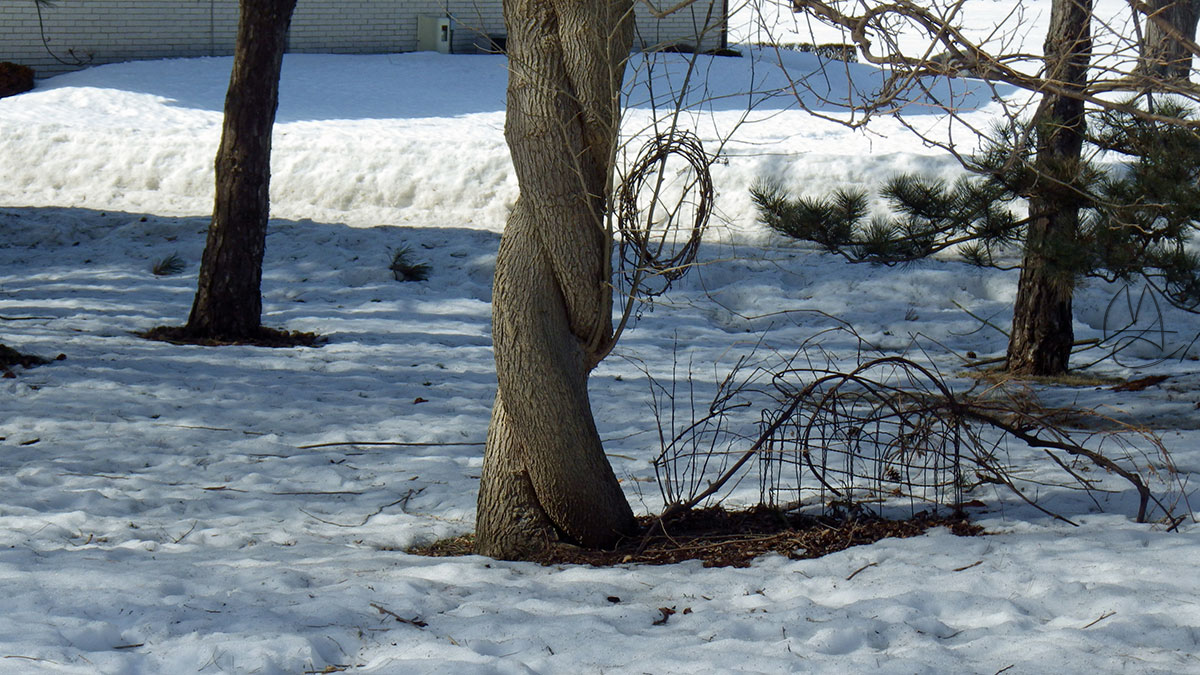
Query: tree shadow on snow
[(426, 85), (81, 282)]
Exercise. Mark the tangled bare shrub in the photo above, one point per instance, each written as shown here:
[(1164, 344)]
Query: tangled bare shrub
[(890, 434)]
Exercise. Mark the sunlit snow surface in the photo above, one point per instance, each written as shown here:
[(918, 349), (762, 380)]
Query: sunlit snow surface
[(158, 515)]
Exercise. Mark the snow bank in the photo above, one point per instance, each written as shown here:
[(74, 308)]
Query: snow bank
[(164, 509)]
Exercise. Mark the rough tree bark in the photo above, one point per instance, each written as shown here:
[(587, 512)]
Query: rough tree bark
[(1042, 335), (545, 476), (1163, 56), (228, 302)]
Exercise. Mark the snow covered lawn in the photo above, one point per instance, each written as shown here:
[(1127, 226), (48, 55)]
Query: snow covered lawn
[(168, 509)]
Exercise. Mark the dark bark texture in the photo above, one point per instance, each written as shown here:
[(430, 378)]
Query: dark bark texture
[(545, 476), (1042, 335), (1166, 53), (228, 303)]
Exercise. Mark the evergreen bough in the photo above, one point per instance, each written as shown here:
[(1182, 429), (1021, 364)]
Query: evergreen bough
[(1138, 213)]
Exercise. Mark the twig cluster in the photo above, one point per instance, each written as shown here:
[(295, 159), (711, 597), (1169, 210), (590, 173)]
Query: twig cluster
[(657, 239), (891, 434)]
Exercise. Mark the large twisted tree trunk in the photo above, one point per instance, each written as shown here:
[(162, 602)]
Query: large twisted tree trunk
[(228, 303), (545, 476), (1042, 335)]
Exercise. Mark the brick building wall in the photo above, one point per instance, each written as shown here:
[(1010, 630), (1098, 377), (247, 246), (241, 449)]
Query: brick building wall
[(91, 32), (701, 24)]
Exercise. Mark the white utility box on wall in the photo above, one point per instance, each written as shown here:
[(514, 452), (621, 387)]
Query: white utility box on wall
[(435, 34)]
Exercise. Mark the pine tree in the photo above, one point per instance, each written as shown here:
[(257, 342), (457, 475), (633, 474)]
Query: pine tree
[(1138, 196)]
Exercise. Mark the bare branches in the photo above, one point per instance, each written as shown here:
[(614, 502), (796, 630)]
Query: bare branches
[(74, 60), (947, 49), (640, 246), (664, 13), (890, 433), (644, 252)]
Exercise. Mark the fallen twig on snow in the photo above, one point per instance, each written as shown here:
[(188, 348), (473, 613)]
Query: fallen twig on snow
[(403, 502), (415, 621), (1102, 617), (855, 572)]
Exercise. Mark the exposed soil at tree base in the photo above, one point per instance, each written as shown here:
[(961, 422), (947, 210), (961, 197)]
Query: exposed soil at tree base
[(722, 538), (265, 337)]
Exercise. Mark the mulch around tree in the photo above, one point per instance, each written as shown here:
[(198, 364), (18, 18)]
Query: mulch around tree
[(722, 538), (266, 337)]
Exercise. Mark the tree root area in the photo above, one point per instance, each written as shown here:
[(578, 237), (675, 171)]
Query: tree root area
[(722, 538), (265, 337)]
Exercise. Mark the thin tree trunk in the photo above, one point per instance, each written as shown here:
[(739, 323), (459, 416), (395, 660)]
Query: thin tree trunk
[(228, 303), (1164, 56), (545, 475), (1042, 335)]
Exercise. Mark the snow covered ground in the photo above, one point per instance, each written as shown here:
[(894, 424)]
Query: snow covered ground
[(162, 509)]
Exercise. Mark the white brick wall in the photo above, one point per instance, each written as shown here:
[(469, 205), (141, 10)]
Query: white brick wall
[(699, 25), (104, 31)]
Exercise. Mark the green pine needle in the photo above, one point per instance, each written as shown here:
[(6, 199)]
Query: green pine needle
[(169, 266), (404, 268)]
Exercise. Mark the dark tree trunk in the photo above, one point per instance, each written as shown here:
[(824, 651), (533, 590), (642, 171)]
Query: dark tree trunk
[(545, 475), (228, 302), (1042, 336), (1164, 56)]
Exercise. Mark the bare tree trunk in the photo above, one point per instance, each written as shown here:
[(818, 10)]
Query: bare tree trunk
[(1164, 56), (1042, 335), (545, 475), (228, 303)]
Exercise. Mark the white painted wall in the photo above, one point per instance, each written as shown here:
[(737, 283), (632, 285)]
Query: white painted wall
[(92, 32)]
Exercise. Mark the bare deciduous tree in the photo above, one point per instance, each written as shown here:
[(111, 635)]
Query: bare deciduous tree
[(545, 475), (228, 302)]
